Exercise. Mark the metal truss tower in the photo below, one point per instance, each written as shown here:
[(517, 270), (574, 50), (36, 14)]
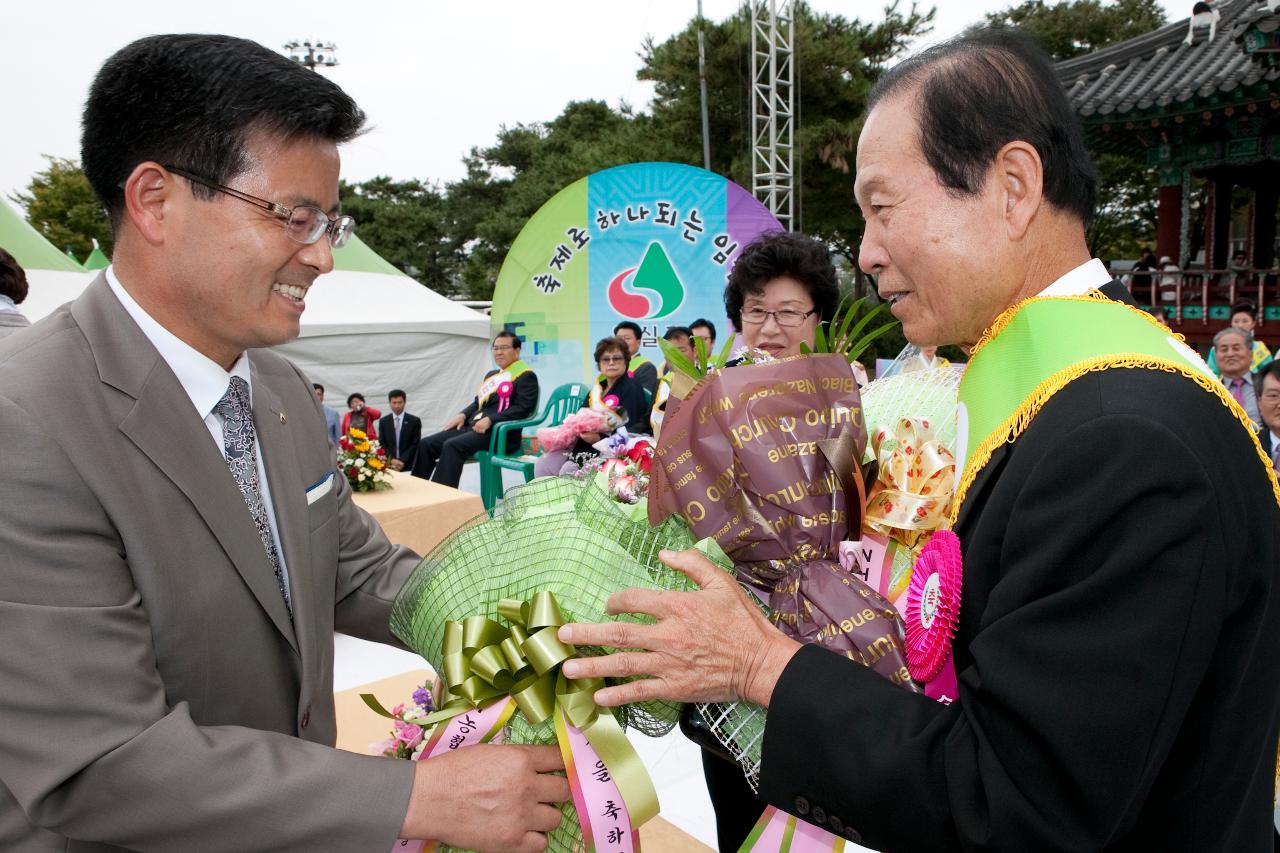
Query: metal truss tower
[(773, 106)]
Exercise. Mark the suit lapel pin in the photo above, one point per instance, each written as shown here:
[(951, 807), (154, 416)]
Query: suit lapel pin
[(283, 419)]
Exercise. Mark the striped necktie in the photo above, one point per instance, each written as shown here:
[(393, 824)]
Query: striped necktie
[(1237, 389)]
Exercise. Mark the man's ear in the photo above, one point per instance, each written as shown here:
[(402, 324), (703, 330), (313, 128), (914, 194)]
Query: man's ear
[(1021, 175), (147, 191)]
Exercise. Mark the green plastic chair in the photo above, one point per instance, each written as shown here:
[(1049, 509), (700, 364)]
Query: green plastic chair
[(563, 401)]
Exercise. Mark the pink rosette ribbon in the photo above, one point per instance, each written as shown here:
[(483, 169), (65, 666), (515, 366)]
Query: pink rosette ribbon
[(933, 611), (612, 401), (504, 394)]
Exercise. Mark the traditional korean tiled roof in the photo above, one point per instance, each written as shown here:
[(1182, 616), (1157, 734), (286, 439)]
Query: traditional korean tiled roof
[(1157, 72)]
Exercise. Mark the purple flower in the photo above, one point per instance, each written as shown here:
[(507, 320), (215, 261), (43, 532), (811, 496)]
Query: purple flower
[(422, 698)]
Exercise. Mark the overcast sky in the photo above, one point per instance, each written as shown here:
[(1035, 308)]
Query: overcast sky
[(435, 78)]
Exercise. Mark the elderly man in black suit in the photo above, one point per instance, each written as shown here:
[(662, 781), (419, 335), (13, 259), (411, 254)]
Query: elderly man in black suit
[(400, 432), (1117, 654), (509, 392)]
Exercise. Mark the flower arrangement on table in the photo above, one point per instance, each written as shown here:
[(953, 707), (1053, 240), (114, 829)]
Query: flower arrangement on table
[(364, 462), (483, 608)]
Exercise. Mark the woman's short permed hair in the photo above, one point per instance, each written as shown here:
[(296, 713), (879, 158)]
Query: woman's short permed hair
[(777, 254), (611, 343)]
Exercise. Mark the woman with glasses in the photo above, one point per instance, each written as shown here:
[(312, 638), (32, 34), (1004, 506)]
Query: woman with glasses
[(781, 287), (617, 396)]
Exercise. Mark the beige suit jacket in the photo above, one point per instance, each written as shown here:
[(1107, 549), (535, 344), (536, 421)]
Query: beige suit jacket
[(156, 695)]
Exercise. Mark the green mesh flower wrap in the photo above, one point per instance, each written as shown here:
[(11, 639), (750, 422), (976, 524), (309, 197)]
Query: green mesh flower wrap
[(559, 534)]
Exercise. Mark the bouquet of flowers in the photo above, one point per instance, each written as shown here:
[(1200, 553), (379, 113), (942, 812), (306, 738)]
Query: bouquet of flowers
[(563, 436), (363, 460), (406, 740), (483, 607), (624, 462)]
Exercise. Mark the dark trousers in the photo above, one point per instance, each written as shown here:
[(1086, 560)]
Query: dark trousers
[(735, 804), (442, 455)]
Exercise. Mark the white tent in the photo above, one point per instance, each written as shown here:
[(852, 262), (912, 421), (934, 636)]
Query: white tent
[(368, 327), (52, 277)]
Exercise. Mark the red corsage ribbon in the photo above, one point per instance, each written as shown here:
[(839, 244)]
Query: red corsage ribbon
[(933, 605), (612, 401)]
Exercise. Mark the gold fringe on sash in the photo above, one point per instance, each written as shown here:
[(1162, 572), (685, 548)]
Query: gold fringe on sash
[(1016, 423)]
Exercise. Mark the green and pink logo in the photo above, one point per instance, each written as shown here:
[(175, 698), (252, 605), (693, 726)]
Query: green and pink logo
[(648, 242), (648, 291)]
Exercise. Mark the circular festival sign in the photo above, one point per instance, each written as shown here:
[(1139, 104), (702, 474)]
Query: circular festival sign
[(648, 242)]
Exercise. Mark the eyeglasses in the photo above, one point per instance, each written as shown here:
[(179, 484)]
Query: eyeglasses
[(304, 224), (786, 317), (1271, 396), (611, 359)]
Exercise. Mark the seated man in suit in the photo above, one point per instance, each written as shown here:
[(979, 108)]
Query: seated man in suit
[(178, 547), (332, 420), (400, 432), (1233, 349), (509, 392)]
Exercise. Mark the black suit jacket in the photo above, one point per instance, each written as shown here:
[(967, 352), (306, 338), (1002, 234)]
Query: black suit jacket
[(524, 402), (1118, 651), (410, 434), (630, 394)]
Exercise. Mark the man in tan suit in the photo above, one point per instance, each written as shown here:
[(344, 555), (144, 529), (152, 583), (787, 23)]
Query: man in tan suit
[(177, 548)]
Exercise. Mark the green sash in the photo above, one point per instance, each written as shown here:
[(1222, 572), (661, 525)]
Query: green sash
[(490, 386), (1038, 346)]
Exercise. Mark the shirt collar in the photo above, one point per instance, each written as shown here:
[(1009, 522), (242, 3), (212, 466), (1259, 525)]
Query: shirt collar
[(1090, 275), (201, 377), (7, 305)]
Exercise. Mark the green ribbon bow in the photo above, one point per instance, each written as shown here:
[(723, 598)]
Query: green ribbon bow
[(484, 661)]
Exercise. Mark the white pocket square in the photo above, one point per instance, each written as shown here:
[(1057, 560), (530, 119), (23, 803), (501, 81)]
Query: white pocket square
[(320, 489)]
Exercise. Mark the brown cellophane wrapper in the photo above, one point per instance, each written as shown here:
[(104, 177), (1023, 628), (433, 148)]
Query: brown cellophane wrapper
[(764, 459)]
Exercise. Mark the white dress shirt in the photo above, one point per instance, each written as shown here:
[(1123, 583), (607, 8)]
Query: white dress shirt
[(1090, 275), (205, 382)]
